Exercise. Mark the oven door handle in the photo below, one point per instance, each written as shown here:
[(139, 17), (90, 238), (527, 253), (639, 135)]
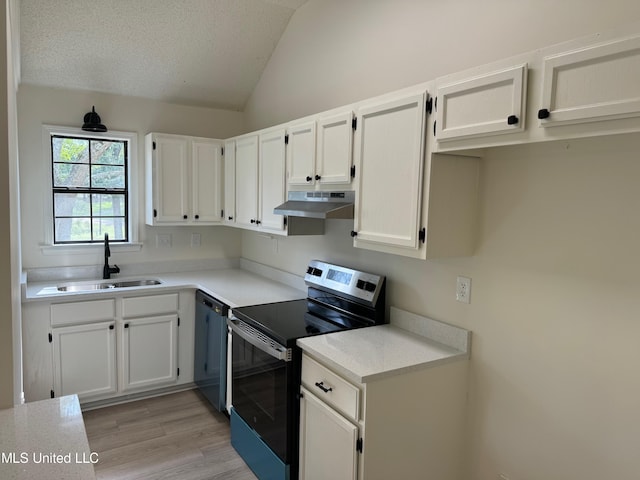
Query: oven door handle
[(259, 340)]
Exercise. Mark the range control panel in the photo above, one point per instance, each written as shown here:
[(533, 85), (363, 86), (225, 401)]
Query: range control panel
[(354, 283)]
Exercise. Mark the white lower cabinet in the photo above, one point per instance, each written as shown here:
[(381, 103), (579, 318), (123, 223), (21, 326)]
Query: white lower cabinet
[(84, 360), (102, 349), (328, 441), (149, 352), (407, 425)]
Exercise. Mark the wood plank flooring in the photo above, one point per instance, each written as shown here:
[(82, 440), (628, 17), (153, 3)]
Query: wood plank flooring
[(176, 436)]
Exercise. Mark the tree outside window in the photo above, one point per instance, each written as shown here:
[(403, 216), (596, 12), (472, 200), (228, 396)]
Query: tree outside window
[(90, 195)]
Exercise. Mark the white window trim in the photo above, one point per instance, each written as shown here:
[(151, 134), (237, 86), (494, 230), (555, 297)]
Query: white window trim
[(48, 247)]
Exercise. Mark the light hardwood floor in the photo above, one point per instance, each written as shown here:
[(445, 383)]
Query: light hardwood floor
[(177, 436)]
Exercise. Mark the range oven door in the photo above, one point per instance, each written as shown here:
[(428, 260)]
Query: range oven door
[(262, 381)]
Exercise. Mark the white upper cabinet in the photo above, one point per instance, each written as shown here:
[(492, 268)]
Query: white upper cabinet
[(487, 104), (598, 82), (259, 180), (229, 182), (335, 149), (320, 152), (206, 180), (246, 180), (301, 140), (167, 185), (389, 155), (184, 180), (272, 180)]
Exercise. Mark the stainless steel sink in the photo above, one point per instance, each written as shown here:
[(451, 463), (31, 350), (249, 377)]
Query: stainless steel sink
[(88, 286)]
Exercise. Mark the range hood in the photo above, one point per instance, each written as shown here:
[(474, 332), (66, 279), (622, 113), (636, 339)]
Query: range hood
[(319, 205)]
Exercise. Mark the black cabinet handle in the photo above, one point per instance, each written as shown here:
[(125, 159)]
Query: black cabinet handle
[(197, 217), (321, 386), (252, 221), (318, 177), (126, 325), (309, 178), (512, 120), (354, 233), (111, 327), (258, 222), (185, 216), (230, 218), (543, 113)]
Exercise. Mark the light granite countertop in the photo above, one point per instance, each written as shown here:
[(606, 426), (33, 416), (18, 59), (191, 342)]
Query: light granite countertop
[(408, 343), (250, 285), (45, 440)]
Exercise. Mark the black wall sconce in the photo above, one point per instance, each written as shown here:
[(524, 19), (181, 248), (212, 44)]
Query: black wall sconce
[(92, 122)]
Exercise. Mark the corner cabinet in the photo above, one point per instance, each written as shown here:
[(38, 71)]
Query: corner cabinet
[(389, 158), (183, 180)]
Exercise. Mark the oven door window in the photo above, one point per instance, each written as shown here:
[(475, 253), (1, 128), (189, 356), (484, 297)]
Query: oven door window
[(260, 393)]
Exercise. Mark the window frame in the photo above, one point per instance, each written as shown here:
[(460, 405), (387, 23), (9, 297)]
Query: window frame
[(132, 191)]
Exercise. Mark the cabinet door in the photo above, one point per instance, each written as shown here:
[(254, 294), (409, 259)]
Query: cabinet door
[(335, 148), (149, 352), (84, 360), (485, 105), (229, 181), (272, 173), (246, 181), (170, 179), (327, 442), (302, 153), (595, 83), (206, 181), (390, 155)]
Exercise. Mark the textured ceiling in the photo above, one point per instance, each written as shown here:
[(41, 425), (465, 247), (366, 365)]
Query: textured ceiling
[(193, 52)]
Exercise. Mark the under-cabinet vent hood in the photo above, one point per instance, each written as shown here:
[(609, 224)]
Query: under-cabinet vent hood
[(318, 205)]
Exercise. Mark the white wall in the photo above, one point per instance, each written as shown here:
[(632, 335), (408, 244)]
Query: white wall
[(553, 391), (336, 52), (6, 327), (40, 105)]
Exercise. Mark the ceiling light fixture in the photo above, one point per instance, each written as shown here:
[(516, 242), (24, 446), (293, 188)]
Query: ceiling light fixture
[(92, 122)]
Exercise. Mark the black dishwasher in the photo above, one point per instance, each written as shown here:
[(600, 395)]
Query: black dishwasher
[(210, 367)]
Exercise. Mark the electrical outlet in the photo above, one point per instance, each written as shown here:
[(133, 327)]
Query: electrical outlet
[(463, 289), (163, 240), (195, 240)]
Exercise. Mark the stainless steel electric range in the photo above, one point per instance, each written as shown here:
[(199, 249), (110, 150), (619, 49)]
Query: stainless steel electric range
[(265, 362)]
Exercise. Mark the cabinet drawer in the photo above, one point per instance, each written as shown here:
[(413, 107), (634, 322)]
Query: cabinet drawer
[(149, 305), (82, 312), (331, 388)]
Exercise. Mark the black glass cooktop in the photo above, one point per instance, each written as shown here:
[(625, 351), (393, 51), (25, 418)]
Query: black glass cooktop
[(287, 321)]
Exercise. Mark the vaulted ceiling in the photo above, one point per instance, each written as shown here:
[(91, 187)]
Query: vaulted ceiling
[(193, 52)]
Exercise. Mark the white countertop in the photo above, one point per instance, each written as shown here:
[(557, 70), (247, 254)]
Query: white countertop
[(368, 354), (45, 440), (233, 286)]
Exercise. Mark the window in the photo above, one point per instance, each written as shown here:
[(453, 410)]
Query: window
[(90, 189)]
